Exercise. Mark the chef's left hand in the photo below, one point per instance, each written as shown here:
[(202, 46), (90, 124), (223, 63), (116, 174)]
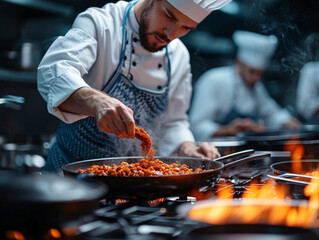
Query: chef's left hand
[(204, 150), (292, 124)]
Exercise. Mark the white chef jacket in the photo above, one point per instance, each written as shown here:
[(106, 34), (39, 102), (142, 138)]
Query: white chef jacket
[(89, 53), (307, 101), (215, 93)]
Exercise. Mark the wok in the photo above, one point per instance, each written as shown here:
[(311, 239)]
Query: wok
[(152, 187)]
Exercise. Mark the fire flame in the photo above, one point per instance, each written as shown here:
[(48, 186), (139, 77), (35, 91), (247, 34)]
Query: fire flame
[(297, 151), (261, 204), (14, 235)]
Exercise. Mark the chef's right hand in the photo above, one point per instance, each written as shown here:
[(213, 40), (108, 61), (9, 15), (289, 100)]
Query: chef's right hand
[(113, 117)]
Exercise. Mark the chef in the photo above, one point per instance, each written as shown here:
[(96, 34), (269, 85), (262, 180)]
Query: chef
[(231, 99), (118, 67), (307, 99)]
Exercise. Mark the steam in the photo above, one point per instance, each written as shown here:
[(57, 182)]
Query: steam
[(295, 49)]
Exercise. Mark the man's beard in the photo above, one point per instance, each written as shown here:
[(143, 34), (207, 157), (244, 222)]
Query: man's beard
[(143, 32)]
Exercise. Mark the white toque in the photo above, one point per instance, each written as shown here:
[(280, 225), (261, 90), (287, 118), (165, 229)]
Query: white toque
[(254, 49), (197, 10)]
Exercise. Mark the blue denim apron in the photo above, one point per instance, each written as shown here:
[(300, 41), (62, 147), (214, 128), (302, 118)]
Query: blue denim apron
[(83, 140)]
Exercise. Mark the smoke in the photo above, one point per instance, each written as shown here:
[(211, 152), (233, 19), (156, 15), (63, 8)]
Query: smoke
[(311, 46), (280, 19)]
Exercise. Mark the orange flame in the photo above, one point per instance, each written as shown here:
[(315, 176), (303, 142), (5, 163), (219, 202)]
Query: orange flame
[(225, 191), (261, 204), (55, 233), (14, 235), (297, 152)]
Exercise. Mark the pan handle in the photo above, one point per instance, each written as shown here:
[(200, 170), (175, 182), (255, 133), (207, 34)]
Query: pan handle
[(236, 155), (250, 158), (287, 177)]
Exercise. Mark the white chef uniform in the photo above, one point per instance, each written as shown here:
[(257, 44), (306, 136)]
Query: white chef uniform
[(96, 31), (102, 50), (221, 91), (307, 99)]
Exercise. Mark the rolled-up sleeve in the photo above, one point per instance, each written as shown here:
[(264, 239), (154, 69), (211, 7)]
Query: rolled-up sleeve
[(61, 69)]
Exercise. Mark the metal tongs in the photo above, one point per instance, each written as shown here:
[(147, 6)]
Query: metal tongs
[(288, 177)]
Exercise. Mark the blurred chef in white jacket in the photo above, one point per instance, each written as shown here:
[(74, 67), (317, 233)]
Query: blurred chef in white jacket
[(118, 67), (307, 98), (231, 99)]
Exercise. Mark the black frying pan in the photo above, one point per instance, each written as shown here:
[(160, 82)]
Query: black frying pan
[(271, 136), (284, 174), (286, 166), (152, 187), (42, 201)]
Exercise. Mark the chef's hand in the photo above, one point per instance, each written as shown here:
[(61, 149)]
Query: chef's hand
[(239, 125), (292, 124), (112, 116), (204, 150)]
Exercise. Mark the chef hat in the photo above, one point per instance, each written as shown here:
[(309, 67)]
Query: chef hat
[(197, 10), (255, 50)]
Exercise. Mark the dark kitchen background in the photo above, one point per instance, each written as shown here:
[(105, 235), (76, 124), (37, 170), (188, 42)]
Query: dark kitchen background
[(28, 28)]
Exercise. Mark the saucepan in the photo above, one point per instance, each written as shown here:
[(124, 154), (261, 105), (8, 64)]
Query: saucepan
[(152, 187)]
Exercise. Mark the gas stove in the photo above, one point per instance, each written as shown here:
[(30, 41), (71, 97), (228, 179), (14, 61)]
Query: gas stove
[(152, 220)]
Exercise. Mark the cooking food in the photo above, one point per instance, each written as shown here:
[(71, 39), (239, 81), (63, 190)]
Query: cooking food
[(143, 168), (146, 144), (146, 167)]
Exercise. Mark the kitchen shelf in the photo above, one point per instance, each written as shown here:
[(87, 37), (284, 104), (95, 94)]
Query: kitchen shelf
[(18, 76), (47, 6)]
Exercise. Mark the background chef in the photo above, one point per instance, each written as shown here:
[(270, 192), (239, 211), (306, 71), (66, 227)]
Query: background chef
[(232, 99), (117, 67)]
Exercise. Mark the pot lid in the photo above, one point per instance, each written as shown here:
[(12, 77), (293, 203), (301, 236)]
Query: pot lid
[(47, 187)]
